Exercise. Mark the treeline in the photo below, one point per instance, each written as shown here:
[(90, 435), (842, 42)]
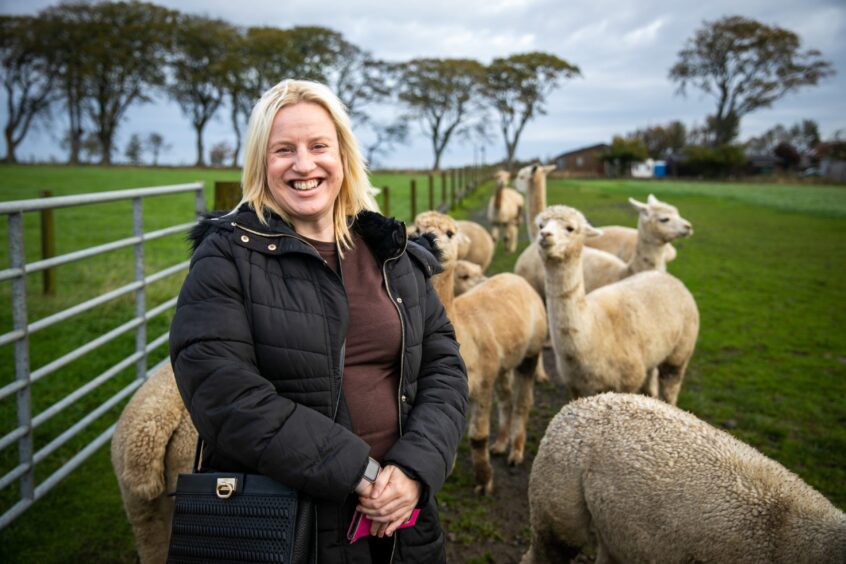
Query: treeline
[(91, 62)]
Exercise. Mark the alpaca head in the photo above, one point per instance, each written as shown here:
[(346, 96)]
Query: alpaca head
[(562, 231), (531, 174), (502, 177), (660, 222), (467, 275), (445, 232)]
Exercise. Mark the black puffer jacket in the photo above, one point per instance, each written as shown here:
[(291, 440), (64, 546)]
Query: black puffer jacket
[(257, 346)]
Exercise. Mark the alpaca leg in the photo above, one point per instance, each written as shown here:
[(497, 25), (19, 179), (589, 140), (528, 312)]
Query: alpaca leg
[(650, 386), (495, 232), (670, 381), (511, 237), (480, 428), (504, 404), (524, 398)]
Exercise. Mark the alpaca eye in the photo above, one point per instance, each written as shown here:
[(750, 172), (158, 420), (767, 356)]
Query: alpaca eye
[(450, 234), (664, 219), (570, 228)]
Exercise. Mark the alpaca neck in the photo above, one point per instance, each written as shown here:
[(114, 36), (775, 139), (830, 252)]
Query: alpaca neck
[(565, 295), (537, 202), (498, 196), (444, 285), (649, 254)]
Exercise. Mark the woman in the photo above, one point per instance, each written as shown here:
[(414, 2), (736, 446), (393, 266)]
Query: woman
[(309, 345)]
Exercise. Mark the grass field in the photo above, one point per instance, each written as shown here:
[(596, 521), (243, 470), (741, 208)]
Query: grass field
[(765, 265)]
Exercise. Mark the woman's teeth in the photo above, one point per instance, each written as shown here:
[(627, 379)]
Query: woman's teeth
[(305, 184)]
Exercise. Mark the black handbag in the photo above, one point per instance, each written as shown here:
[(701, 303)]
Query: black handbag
[(237, 517)]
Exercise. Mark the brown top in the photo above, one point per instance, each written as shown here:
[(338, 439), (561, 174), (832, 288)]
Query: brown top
[(374, 340)]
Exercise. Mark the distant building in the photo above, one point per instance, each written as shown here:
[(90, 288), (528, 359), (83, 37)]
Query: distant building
[(586, 161), (649, 169)]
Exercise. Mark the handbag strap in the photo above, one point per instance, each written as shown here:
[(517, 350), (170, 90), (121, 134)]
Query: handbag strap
[(198, 456)]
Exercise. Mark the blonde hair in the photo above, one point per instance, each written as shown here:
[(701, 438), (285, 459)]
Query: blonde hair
[(356, 192)]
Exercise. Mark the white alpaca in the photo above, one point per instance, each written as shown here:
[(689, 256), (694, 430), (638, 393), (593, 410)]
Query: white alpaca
[(531, 180), (505, 209), (643, 481), (476, 244), (501, 326), (658, 224), (154, 441), (612, 338)]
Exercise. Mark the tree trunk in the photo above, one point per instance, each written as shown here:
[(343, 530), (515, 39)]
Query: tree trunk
[(200, 162), (237, 130), (10, 147)]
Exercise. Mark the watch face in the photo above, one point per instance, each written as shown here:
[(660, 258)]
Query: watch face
[(371, 471)]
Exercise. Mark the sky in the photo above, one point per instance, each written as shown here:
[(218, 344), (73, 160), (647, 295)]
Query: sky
[(624, 50)]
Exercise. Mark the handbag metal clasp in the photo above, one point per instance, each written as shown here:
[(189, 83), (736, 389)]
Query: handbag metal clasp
[(226, 487)]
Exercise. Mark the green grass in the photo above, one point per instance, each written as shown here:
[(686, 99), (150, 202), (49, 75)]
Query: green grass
[(765, 265)]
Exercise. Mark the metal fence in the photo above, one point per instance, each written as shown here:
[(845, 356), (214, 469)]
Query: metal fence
[(23, 327)]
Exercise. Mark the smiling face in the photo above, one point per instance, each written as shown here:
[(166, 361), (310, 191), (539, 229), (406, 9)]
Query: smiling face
[(304, 168)]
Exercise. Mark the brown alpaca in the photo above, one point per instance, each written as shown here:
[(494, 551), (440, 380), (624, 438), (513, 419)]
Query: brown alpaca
[(153, 442), (501, 327)]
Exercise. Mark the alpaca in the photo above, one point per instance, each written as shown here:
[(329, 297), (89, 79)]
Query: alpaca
[(505, 209), (154, 441), (501, 326), (531, 180), (646, 482), (612, 338), (659, 223), (476, 244)]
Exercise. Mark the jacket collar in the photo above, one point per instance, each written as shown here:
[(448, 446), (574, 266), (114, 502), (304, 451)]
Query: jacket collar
[(385, 236)]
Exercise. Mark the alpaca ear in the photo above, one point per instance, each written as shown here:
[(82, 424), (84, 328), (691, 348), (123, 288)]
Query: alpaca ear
[(651, 200), (591, 231), (639, 206)]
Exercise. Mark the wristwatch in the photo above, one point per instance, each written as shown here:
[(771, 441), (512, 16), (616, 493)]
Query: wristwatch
[(372, 470)]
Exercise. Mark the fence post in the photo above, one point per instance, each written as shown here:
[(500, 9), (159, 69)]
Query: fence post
[(452, 189), (141, 292), (443, 188), (413, 198), (386, 200), (227, 194), (48, 246), (20, 321), (431, 191)]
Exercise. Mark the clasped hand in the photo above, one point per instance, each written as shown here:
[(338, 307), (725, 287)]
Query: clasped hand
[(388, 501)]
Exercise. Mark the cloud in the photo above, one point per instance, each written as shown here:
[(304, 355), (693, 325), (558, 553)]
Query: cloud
[(645, 34)]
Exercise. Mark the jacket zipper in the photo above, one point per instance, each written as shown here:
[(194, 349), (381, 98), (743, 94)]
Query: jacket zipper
[(402, 359)]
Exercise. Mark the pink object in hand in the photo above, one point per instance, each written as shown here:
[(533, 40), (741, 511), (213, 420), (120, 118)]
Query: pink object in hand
[(361, 523)]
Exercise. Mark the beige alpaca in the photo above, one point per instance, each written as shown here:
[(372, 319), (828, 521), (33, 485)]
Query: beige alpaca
[(153, 442), (501, 327), (531, 180), (612, 338), (505, 209), (658, 224), (643, 481), (475, 244), (468, 275), (622, 243)]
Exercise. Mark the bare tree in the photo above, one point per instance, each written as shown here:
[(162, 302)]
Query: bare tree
[(745, 65)]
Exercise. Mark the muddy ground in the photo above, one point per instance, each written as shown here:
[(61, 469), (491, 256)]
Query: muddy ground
[(496, 528)]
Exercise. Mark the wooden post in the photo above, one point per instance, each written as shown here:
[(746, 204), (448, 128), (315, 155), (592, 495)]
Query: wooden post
[(431, 191), (227, 194), (452, 189), (443, 188), (413, 198), (48, 246), (386, 200)]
